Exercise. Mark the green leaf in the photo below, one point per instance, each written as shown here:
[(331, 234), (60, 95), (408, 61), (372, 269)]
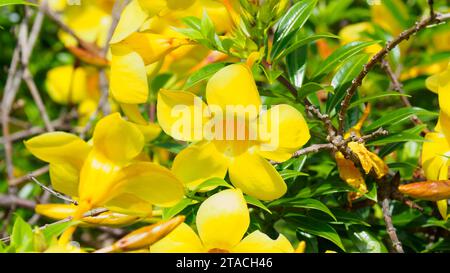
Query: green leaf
[(22, 235), (296, 66), (179, 207), (287, 174), (348, 218), (339, 56), (56, 229), (207, 26), (315, 227), (15, 2), (192, 22), (312, 87), (255, 202), (397, 116), (365, 241), (203, 74), (343, 78), (213, 182), (302, 41), (311, 204), (396, 138), (375, 97), (290, 23), (323, 188)]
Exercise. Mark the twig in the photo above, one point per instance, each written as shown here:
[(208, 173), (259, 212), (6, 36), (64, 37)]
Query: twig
[(397, 86), (36, 173), (37, 99), (405, 35), (57, 19), (55, 193), (8, 200), (315, 148), (59, 124), (118, 7), (385, 204), (310, 108)]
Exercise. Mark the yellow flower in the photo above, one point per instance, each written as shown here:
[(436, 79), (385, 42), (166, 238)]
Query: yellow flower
[(436, 150), (222, 221), (214, 155), (67, 85), (369, 161), (108, 174)]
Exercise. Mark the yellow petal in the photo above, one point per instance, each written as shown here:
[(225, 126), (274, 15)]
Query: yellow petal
[(128, 76), (189, 164), (56, 211), (350, 174), (65, 178), (150, 182), (284, 131), (181, 240), (432, 83), (96, 180), (233, 85), (67, 85), (369, 161), (131, 19), (180, 114), (442, 207), (129, 204), (434, 161), (59, 147), (111, 219), (258, 242), (117, 139), (222, 220), (152, 47), (149, 130), (256, 177)]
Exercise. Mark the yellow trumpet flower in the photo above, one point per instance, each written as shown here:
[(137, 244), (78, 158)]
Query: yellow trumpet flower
[(109, 173), (227, 213), (436, 151), (224, 149)]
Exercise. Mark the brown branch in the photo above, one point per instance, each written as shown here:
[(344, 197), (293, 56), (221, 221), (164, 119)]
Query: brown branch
[(385, 204), (8, 200), (25, 178), (59, 124), (315, 148), (405, 35), (310, 108), (28, 78), (52, 191), (397, 86)]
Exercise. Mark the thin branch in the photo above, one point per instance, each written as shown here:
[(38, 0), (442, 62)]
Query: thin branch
[(53, 192), (8, 200), (37, 99), (315, 148), (405, 35), (385, 204), (25, 178), (310, 108), (59, 124)]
